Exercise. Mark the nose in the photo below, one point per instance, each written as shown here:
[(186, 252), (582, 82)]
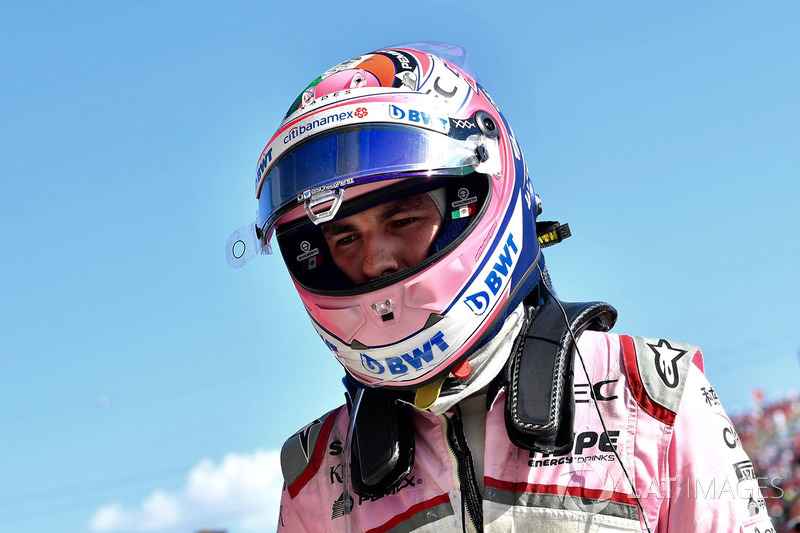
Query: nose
[(381, 256)]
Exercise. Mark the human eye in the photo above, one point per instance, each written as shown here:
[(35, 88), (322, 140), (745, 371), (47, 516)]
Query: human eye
[(404, 221), (346, 240)]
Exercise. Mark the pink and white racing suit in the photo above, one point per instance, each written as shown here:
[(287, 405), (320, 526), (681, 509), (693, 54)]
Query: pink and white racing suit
[(662, 418)]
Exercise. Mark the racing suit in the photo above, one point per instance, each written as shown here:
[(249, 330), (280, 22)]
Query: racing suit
[(662, 431)]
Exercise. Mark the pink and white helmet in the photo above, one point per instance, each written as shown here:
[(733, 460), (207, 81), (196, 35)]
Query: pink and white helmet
[(399, 121)]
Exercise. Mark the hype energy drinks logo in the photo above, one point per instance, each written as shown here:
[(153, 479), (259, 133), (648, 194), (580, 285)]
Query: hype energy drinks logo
[(493, 279)]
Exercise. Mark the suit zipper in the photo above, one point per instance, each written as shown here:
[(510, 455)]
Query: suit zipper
[(465, 471)]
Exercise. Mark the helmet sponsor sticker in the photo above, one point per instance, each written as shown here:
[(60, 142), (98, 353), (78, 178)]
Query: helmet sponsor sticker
[(310, 255), (308, 193), (464, 198), (497, 278), (386, 68), (462, 124), (264, 162), (345, 115), (416, 117), (416, 359), (302, 128), (494, 277), (465, 207), (305, 247)]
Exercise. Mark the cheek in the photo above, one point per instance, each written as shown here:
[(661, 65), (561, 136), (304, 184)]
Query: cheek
[(340, 259), (351, 265), (343, 259)]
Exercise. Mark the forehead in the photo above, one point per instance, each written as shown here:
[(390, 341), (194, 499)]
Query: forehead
[(410, 203)]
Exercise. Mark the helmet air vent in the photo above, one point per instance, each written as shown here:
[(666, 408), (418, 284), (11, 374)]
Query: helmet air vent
[(384, 309), (433, 319), (356, 345), (486, 124)]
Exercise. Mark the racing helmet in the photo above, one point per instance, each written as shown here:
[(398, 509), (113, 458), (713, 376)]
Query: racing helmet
[(399, 122)]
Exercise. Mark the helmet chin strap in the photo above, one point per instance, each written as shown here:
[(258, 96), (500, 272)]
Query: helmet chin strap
[(427, 395)]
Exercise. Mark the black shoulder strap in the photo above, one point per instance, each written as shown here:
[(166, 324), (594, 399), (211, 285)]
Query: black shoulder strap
[(383, 442), (539, 408)]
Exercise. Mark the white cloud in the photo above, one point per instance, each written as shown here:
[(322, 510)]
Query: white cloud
[(241, 493)]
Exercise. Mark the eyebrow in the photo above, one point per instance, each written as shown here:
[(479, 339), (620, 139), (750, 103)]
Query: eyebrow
[(402, 205), (336, 227), (388, 210)]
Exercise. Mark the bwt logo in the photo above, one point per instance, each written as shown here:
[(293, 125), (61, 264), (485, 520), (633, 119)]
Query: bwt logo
[(479, 302), (332, 347), (415, 116), (415, 359), (262, 164)]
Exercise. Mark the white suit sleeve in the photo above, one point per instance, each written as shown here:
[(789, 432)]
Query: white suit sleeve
[(713, 485)]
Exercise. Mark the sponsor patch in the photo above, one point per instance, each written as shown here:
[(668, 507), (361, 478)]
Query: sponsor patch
[(731, 438), (744, 471), (666, 359), (710, 396), (758, 524), (339, 507), (603, 391), (588, 447), (661, 367)]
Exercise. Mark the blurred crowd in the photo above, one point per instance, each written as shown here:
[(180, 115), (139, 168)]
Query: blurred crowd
[(771, 436)]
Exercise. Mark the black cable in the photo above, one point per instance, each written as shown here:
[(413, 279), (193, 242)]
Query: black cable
[(594, 400)]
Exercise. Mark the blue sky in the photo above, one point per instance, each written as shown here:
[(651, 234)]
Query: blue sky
[(144, 383)]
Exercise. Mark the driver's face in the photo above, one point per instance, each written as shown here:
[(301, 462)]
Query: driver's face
[(384, 239)]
